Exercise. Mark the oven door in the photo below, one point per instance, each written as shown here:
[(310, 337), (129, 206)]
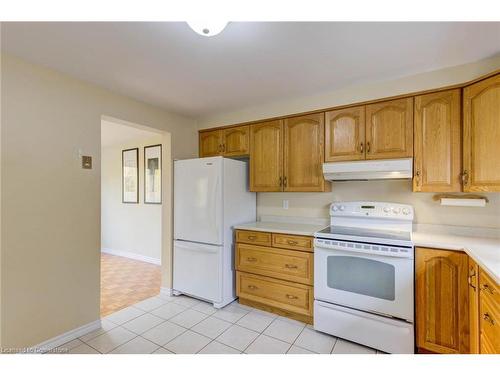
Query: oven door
[(368, 282)]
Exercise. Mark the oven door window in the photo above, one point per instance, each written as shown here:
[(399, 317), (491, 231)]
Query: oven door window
[(361, 276)]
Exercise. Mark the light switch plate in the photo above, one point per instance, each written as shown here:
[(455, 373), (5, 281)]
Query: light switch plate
[(285, 204), (86, 162)]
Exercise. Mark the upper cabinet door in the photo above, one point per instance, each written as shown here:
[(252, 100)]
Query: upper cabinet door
[(303, 153), (345, 134), (482, 135), (389, 129), (236, 141), (210, 143), (437, 142), (266, 156)]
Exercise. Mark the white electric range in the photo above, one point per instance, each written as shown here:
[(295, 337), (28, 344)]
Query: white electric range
[(364, 275)]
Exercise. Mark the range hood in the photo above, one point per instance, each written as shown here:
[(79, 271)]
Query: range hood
[(369, 170)]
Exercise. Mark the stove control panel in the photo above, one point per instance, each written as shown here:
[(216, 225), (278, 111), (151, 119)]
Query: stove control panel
[(393, 211)]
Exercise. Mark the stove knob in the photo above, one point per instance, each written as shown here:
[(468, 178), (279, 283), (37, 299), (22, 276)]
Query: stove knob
[(406, 211), (335, 208), (386, 209), (342, 208), (396, 210)]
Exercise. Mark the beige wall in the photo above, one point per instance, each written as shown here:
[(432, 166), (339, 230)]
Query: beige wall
[(128, 228), (50, 206), (427, 211), (316, 204)]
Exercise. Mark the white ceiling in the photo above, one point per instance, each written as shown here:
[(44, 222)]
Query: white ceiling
[(117, 134), (249, 63)]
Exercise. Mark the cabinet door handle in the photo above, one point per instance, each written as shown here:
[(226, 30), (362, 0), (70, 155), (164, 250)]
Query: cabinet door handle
[(472, 273), (417, 177), (290, 242), (284, 181), (465, 177), (368, 148), (488, 318), (361, 149), (224, 148), (291, 296), (290, 266), (488, 288), (281, 181), (252, 287), (252, 259)]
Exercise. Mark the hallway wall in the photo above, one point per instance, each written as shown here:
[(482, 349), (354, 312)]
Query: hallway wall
[(128, 229)]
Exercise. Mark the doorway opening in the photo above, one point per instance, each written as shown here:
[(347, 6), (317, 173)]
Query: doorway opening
[(131, 214)]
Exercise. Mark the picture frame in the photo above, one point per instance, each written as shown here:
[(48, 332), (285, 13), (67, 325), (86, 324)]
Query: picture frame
[(153, 174), (130, 175)]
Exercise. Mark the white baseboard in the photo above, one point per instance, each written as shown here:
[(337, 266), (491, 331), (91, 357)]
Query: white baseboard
[(167, 292), (130, 255), (65, 337)]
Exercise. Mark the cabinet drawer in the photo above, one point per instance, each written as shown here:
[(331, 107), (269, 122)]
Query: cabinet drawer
[(288, 241), (253, 237), (283, 264), (489, 289), (284, 295), (489, 326)]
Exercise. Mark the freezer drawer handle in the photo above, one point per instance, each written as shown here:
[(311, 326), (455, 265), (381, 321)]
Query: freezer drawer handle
[(291, 296), (489, 319), (252, 287), (290, 266), (252, 259)]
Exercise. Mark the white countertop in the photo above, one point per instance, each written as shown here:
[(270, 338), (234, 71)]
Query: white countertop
[(282, 227), (484, 250)]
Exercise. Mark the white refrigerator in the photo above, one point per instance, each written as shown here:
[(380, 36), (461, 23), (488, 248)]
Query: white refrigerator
[(210, 196)]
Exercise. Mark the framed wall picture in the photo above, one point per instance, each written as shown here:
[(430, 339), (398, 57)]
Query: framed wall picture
[(130, 175), (152, 174)]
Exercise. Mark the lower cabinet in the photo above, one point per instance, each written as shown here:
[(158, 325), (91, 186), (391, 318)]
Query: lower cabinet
[(442, 301), (457, 304), (489, 315), (276, 273)]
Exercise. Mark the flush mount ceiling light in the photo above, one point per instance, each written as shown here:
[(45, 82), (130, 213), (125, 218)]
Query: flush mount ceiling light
[(207, 28)]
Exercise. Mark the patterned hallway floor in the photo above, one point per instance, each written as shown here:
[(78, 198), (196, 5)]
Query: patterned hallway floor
[(124, 282)]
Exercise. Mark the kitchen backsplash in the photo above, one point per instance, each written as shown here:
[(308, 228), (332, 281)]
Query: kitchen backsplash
[(427, 211)]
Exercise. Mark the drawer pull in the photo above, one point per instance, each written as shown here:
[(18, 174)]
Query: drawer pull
[(291, 296), (488, 288), (290, 242), (251, 238), (489, 319), (252, 287), (290, 266), (252, 259)]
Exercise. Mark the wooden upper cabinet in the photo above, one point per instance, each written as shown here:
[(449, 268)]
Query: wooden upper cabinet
[(345, 134), (437, 138), (303, 153), (236, 141), (442, 301), (210, 143), (266, 156), (389, 129), (482, 135)]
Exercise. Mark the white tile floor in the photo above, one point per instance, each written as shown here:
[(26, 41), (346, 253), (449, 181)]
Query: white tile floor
[(183, 325)]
